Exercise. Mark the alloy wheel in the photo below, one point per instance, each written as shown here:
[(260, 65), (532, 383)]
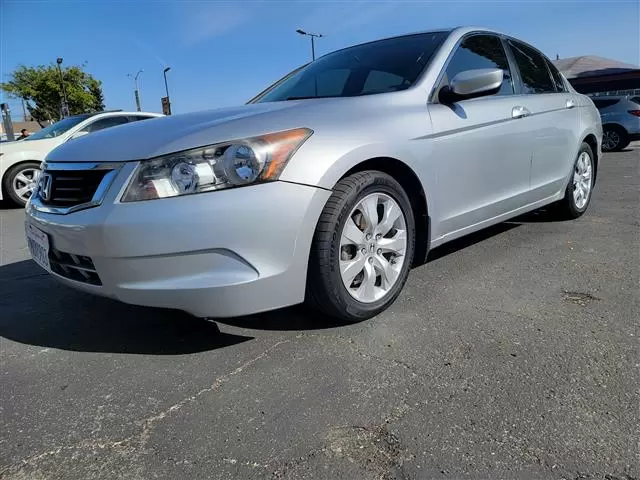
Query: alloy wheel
[(582, 180), (610, 140), (25, 182), (373, 245)]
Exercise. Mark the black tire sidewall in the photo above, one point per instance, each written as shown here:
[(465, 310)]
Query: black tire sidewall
[(337, 292), (622, 135), (569, 199), (7, 183)]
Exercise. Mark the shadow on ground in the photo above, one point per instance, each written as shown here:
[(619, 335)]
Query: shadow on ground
[(37, 310)]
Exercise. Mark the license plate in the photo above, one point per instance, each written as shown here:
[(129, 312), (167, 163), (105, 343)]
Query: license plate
[(38, 242)]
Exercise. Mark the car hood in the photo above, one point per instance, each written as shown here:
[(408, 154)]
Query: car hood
[(163, 135)]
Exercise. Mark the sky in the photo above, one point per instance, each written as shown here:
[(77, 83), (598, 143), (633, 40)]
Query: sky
[(222, 53)]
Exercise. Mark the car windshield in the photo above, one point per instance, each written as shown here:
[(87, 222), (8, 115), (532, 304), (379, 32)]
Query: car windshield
[(57, 128), (383, 66)]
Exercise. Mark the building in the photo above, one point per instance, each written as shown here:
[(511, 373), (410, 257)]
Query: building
[(596, 76), (17, 126)]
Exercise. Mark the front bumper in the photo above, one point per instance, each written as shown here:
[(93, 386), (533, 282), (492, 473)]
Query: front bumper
[(219, 254)]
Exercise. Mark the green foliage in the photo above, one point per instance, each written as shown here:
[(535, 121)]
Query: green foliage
[(41, 89)]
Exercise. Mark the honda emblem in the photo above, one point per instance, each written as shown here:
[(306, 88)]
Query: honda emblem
[(45, 186)]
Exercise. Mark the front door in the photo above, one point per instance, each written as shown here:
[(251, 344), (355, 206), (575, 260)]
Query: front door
[(481, 145)]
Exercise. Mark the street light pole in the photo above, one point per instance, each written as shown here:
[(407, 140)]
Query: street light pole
[(165, 80), (166, 103), (64, 111), (313, 37), (137, 91)]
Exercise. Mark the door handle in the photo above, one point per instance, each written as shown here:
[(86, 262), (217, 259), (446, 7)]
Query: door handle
[(570, 103), (519, 112)]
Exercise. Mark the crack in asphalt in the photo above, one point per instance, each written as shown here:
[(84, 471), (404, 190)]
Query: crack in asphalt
[(147, 424), (371, 448)]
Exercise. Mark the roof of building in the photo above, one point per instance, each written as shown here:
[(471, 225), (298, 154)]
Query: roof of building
[(591, 66)]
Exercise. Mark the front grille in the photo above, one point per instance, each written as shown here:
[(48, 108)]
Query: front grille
[(75, 267), (73, 187)]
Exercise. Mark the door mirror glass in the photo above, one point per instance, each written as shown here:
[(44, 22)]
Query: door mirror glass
[(478, 82)]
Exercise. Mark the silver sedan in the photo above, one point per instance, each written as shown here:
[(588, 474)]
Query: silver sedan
[(328, 187)]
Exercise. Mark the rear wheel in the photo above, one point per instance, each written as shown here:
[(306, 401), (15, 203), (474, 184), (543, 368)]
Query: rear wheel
[(614, 138), (362, 248), (20, 182), (578, 193)]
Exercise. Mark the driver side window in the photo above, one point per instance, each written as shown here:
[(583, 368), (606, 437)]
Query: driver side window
[(480, 51)]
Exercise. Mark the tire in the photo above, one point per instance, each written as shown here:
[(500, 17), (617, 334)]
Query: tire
[(327, 288), (569, 207), (615, 138), (12, 181)]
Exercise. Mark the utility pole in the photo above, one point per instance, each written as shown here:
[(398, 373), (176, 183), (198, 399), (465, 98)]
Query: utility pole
[(137, 90), (313, 36), (64, 111), (6, 119), (24, 110)]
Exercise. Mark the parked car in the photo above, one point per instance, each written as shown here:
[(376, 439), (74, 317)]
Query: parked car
[(20, 161), (327, 187), (620, 121)]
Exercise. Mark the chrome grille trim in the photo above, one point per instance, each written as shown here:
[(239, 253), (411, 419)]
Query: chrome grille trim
[(113, 169)]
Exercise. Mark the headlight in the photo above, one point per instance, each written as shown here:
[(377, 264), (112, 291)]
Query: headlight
[(214, 167)]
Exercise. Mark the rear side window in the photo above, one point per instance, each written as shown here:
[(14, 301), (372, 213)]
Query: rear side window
[(602, 103), (635, 100), (105, 123), (533, 69), (557, 78), (481, 51), (135, 118)]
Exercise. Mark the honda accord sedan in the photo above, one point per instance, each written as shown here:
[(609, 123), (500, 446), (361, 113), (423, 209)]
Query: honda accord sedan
[(327, 187)]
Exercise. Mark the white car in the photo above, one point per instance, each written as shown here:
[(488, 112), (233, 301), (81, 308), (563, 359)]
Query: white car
[(20, 161)]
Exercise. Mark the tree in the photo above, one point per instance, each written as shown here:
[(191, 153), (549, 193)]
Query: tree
[(41, 90)]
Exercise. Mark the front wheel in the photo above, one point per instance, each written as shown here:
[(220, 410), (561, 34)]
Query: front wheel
[(363, 247), (20, 182)]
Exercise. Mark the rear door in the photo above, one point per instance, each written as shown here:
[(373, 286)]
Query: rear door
[(483, 152), (553, 119)]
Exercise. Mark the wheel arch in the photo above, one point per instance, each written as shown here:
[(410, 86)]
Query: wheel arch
[(592, 141), (412, 185)]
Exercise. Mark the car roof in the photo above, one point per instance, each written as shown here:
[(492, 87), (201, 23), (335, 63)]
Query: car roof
[(123, 112), (459, 31), (85, 116)]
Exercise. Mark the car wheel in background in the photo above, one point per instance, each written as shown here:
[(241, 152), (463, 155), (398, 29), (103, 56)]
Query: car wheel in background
[(614, 138), (363, 247), (20, 182), (578, 193)]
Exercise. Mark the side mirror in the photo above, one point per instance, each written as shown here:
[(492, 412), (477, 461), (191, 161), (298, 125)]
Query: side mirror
[(474, 83), (78, 134)]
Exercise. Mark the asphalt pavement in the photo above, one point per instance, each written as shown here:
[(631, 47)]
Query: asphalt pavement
[(514, 353)]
